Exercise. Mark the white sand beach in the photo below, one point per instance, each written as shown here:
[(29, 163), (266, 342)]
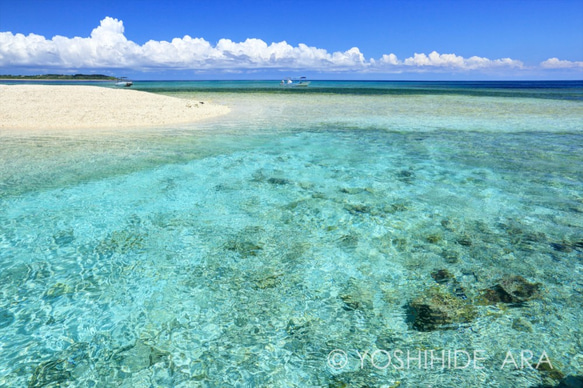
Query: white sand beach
[(40, 107)]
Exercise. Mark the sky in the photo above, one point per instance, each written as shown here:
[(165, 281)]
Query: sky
[(322, 39)]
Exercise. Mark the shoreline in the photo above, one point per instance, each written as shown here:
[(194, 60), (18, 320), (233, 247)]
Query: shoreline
[(24, 81), (76, 107)]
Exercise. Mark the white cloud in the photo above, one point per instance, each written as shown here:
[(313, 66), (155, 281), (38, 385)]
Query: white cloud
[(107, 47), (447, 62), (390, 59), (556, 63), (435, 59)]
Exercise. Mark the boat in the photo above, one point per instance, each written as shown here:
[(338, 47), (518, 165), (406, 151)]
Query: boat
[(290, 83), (124, 82)]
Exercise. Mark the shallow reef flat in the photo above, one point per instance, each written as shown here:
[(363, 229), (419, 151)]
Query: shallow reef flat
[(263, 250)]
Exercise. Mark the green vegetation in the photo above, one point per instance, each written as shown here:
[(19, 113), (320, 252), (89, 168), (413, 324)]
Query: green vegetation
[(82, 77)]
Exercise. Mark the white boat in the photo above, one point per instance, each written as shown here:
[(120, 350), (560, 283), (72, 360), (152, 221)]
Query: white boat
[(289, 83), (124, 82)]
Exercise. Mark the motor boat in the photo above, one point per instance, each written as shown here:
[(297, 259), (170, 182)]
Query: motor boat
[(123, 82), (290, 83)]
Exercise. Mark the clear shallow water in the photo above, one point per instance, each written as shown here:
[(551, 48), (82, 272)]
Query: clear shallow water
[(245, 253)]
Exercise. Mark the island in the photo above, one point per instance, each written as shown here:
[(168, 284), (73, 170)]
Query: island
[(60, 77)]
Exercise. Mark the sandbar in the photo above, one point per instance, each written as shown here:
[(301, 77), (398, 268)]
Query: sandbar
[(69, 107)]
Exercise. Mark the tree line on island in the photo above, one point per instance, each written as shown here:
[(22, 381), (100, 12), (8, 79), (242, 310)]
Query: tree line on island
[(84, 77)]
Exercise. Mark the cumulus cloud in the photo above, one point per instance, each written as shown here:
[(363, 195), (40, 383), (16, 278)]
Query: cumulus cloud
[(108, 48), (452, 60), (447, 62), (556, 63)]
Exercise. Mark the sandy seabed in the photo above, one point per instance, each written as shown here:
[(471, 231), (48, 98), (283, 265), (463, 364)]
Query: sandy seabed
[(37, 107)]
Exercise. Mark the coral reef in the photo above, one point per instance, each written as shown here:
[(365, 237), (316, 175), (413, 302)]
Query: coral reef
[(438, 309), (511, 289)]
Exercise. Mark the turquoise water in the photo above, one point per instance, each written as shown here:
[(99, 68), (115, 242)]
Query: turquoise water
[(275, 246)]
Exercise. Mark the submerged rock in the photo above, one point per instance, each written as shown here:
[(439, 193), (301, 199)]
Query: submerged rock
[(361, 378), (450, 257), (64, 237), (434, 238), (59, 289), (51, 373), (522, 237), (449, 281), (268, 281), (401, 244), (353, 190), (442, 276), (437, 309), (406, 176), (511, 289), (300, 327), (521, 324), (139, 356), (352, 302), (122, 242), (356, 209), (550, 374), (567, 246), (561, 247), (571, 382), (244, 248), (398, 207), (278, 181), (348, 241), (59, 372), (449, 225), (527, 240), (357, 296), (6, 318), (465, 240)]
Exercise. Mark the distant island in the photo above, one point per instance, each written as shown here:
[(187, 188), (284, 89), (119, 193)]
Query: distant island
[(76, 77)]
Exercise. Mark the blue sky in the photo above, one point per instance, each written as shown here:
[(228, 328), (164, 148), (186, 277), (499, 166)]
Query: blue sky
[(391, 39)]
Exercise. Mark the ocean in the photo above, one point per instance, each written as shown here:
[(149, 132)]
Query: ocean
[(347, 234)]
